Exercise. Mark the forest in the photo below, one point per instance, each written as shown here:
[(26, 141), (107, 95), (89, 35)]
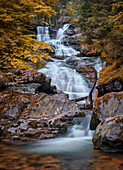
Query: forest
[(61, 83), (100, 21)]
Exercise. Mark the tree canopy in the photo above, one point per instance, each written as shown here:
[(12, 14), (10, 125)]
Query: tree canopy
[(19, 47), (102, 23), (100, 20)]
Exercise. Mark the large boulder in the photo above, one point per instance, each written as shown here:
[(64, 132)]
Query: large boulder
[(32, 109), (35, 116), (109, 105), (30, 81), (111, 78), (52, 105), (109, 135)]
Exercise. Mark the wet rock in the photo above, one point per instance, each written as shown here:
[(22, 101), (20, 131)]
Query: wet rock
[(84, 69), (13, 104), (59, 57), (109, 135), (87, 71), (32, 109), (109, 105), (113, 85)]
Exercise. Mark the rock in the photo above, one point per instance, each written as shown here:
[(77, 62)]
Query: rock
[(53, 31), (11, 105), (87, 71), (30, 81), (59, 57), (113, 85), (87, 50), (35, 116), (64, 20), (70, 31), (109, 105), (2, 84), (43, 23), (109, 135), (51, 105)]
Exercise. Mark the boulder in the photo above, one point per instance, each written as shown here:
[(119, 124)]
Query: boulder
[(32, 109), (36, 116), (109, 105), (113, 85), (12, 105), (43, 23), (64, 20), (52, 105), (30, 81), (109, 135)]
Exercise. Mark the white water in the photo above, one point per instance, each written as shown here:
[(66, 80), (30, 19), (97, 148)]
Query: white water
[(66, 79), (43, 33), (61, 31), (57, 44), (78, 137)]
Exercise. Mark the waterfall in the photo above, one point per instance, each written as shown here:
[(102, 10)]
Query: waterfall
[(81, 128), (61, 31), (66, 79), (43, 33), (58, 44), (77, 140)]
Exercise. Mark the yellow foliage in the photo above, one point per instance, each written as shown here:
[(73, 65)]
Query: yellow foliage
[(19, 47), (114, 71)]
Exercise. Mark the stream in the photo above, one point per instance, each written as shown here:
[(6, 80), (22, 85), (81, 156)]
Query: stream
[(74, 151)]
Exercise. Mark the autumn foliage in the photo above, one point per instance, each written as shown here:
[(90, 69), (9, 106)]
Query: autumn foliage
[(19, 47), (101, 22)]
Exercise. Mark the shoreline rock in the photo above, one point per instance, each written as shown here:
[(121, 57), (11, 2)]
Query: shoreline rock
[(109, 135), (109, 105)]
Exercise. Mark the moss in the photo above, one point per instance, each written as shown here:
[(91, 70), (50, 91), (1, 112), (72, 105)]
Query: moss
[(116, 118), (114, 71)]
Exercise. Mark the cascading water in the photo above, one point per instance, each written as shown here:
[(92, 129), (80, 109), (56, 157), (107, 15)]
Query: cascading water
[(43, 33), (59, 48), (61, 31), (78, 137), (77, 140), (66, 79)]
